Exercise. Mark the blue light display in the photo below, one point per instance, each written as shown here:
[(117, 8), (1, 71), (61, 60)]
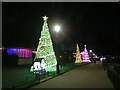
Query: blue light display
[(21, 52)]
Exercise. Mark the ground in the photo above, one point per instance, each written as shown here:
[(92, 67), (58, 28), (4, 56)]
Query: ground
[(88, 76)]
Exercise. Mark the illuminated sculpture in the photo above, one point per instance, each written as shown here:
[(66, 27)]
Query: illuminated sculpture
[(37, 66), (85, 55), (45, 49), (78, 55), (43, 65)]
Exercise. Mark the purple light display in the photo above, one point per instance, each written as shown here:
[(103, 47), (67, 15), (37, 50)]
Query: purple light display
[(85, 55), (22, 53)]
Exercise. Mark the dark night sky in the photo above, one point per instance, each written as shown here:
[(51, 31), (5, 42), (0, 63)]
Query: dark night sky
[(93, 24)]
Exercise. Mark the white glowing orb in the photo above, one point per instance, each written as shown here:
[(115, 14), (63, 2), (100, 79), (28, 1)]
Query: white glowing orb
[(57, 28), (90, 50)]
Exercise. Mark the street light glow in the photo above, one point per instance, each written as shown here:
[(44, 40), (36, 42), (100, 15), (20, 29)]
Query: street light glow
[(90, 50), (57, 28)]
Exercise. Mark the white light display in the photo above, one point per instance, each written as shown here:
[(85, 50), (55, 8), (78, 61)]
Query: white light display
[(42, 64), (37, 66)]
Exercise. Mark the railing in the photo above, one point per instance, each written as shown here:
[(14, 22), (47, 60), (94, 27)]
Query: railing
[(114, 76)]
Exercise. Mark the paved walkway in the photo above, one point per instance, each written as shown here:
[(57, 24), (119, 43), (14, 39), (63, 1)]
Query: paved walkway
[(88, 76)]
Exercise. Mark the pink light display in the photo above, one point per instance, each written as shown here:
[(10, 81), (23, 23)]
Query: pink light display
[(21, 52), (85, 55)]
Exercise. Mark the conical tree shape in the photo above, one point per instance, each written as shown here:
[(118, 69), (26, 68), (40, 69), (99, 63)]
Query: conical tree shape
[(45, 48), (85, 55), (78, 55)]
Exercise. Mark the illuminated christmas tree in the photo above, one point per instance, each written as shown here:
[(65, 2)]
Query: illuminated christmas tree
[(78, 55), (85, 55), (45, 48)]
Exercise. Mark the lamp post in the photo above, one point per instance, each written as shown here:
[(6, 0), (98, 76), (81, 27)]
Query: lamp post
[(57, 30)]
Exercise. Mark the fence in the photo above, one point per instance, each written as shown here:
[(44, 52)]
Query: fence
[(114, 76)]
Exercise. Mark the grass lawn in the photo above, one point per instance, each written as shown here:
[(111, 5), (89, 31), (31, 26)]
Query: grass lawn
[(70, 66), (16, 76)]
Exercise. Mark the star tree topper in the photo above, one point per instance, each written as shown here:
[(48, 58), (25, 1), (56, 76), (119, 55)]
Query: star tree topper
[(45, 18)]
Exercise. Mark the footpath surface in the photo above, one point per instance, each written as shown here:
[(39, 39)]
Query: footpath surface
[(88, 76)]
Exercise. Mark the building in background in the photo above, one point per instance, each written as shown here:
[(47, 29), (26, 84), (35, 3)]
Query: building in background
[(24, 54)]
